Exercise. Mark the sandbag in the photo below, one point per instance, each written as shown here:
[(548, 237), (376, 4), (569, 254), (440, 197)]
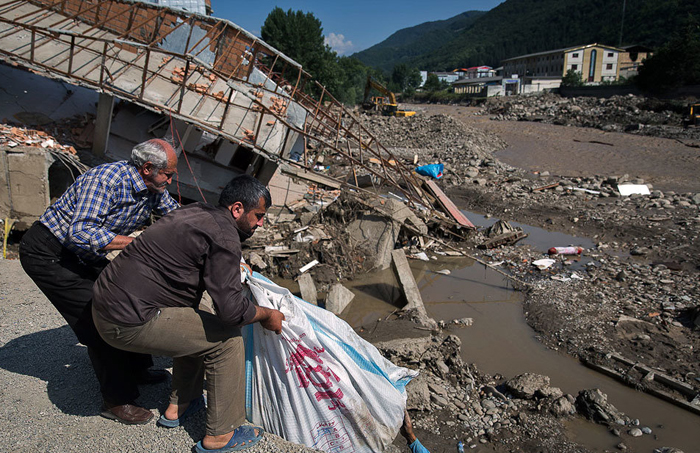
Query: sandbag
[(318, 383)]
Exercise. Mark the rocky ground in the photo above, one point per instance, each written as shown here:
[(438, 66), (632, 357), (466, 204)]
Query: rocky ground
[(637, 297)]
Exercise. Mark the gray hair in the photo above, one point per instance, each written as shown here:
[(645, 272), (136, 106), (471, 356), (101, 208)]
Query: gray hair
[(154, 151)]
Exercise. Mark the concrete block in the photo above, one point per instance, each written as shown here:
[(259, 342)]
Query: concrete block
[(338, 298), (308, 288), (375, 235), (24, 184)]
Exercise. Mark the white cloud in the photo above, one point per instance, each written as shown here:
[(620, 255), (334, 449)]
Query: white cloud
[(338, 43)]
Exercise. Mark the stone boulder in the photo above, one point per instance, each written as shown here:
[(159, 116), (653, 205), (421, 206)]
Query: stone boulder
[(526, 385), (593, 404)]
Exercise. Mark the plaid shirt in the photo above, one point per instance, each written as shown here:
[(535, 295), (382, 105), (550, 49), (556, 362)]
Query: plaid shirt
[(109, 200)]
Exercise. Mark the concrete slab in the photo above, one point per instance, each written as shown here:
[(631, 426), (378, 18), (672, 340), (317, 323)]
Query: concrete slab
[(338, 298), (308, 288), (377, 236), (407, 281)]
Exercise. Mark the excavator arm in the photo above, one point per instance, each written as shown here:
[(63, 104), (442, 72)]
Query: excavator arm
[(387, 104), (372, 83)]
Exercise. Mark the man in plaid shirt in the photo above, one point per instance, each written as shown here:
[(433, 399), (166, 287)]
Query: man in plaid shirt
[(64, 252)]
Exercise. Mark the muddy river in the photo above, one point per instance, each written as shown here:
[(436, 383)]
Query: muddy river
[(500, 342)]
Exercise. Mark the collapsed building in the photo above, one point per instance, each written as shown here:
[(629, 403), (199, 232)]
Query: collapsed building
[(231, 102)]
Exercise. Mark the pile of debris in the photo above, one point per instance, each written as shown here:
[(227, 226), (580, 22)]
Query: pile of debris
[(11, 137), (466, 152), (630, 113), (434, 137), (337, 235)]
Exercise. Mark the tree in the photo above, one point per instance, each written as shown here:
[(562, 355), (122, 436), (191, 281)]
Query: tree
[(675, 64), (299, 35), (573, 78), (352, 89), (433, 83), (404, 79)]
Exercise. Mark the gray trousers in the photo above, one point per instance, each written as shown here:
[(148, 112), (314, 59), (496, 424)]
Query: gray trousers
[(200, 345)]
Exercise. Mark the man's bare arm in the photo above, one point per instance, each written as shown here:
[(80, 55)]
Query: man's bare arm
[(268, 318), (118, 243)]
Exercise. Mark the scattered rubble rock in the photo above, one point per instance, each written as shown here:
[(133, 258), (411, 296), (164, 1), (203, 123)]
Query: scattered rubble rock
[(593, 404), (629, 113), (527, 385)]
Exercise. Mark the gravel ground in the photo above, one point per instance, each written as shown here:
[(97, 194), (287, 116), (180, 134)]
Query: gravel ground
[(49, 398)]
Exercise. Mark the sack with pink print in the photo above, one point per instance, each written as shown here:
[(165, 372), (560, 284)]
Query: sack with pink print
[(318, 383)]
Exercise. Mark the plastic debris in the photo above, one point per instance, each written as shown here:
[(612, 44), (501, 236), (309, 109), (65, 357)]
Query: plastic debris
[(544, 263)]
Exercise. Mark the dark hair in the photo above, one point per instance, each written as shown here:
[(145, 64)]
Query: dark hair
[(247, 190)]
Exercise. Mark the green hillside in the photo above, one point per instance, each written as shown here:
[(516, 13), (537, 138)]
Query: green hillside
[(518, 27), (409, 43)]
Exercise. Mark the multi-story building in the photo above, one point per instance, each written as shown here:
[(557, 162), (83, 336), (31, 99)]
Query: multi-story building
[(596, 63)]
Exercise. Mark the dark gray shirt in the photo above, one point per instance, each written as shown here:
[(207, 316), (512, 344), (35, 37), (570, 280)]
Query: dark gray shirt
[(192, 249)]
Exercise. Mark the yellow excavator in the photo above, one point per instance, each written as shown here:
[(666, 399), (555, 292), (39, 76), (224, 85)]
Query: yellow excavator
[(385, 104), (693, 118)]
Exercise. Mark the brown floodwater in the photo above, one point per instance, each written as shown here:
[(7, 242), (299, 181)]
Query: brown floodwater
[(500, 342)]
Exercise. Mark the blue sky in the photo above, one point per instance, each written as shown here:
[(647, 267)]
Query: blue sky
[(351, 25)]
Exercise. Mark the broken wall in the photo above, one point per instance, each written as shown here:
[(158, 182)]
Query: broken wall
[(24, 184)]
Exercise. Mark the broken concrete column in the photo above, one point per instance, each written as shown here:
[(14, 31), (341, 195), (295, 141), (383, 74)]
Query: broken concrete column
[(103, 124), (308, 288), (410, 288), (338, 298), (399, 212), (376, 235)]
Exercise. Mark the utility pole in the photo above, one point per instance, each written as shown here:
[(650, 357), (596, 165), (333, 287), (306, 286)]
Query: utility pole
[(622, 22)]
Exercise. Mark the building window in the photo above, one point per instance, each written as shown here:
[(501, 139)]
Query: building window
[(610, 54), (608, 66), (591, 67), (575, 55), (574, 67)]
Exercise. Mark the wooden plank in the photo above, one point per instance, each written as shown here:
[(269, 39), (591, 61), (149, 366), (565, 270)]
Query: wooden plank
[(548, 186), (503, 239), (448, 205)]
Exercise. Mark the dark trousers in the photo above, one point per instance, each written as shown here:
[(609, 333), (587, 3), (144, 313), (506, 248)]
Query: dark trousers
[(67, 283), (201, 345)]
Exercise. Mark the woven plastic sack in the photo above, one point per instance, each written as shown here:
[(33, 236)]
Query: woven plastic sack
[(318, 383)]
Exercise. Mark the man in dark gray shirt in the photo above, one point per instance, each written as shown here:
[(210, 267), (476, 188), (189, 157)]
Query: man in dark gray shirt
[(147, 300)]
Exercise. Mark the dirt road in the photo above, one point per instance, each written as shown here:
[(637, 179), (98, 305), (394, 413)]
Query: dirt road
[(667, 164)]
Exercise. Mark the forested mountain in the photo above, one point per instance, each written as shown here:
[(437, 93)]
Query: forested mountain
[(409, 43), (518, 27)]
